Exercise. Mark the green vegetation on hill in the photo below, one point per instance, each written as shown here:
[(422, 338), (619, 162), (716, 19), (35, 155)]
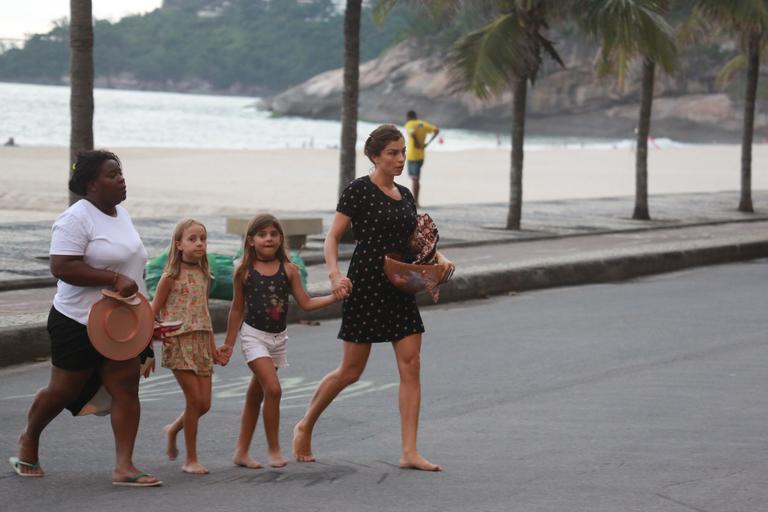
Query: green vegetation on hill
[(239, 45)]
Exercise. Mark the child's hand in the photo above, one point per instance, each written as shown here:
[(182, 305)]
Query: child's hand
[(341, 286), (224, 353)]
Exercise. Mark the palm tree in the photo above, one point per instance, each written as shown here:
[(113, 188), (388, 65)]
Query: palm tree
[(350, 93), (508, 53), (747, 19), (81, 80), (629, 29)]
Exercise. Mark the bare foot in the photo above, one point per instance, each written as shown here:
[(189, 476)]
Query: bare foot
[(416, 461), (194, 468), (171, 450), (28, 458), (276, 459), (302, 444), (245, 461)]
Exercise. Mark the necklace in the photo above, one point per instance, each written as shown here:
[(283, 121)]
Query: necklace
[(193, 263), (265, 261)]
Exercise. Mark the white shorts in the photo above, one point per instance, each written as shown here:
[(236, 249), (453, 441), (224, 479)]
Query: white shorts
[(255, 344)]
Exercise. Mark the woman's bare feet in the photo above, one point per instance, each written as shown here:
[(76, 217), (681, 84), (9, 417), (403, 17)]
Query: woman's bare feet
[(245, 460), (416, 461), (276, 459), (28, 455), (171, 450), (194, 468), (302, 444)]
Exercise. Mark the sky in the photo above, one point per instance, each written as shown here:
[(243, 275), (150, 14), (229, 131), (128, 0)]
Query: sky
[(23, 17)]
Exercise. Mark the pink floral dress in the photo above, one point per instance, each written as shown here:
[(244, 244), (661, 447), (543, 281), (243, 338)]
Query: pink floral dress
[(190, 347)]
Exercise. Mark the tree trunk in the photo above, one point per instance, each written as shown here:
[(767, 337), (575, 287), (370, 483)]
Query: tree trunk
[(519, 90), (753, 70), (350, 94), (643, 131), (81, 80)]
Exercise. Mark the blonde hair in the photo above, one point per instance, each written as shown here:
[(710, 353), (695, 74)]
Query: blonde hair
[(173, 265), (258, 223)]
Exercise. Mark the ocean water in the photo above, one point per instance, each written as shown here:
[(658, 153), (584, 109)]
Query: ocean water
[(38, 115)]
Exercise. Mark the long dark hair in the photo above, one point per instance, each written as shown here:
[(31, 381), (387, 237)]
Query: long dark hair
[(259, 222)]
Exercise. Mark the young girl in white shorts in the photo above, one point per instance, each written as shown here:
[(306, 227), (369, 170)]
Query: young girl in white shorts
[(262, 282)]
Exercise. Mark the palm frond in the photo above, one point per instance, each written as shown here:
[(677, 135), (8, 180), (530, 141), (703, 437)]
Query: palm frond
[(694, 29), (485, 60), (627, 29), (549, 48), (381, 10), (733, 66), (736, 16)]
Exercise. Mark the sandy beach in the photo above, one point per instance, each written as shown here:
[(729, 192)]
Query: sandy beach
[(178, 182)]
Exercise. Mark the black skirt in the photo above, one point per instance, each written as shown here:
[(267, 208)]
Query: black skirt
[(71, 350)]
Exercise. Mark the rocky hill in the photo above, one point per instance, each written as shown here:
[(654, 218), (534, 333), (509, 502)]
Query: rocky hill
[(564, 102)]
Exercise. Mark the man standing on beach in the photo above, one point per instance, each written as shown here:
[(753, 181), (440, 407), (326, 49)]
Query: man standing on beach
[(417, 130)]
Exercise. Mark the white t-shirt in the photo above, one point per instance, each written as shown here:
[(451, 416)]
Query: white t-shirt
[(105, 242)]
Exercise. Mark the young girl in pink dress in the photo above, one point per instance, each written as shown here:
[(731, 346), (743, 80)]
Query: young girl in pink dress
[(190, 352)]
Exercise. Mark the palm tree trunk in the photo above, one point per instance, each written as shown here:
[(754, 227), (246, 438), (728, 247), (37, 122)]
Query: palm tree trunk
[(753, 70), (81, 80), (643, 131), (519, 91), (350, 94)]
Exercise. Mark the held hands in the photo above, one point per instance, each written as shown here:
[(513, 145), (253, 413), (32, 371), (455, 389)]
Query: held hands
[(223, 354), (341, 286)]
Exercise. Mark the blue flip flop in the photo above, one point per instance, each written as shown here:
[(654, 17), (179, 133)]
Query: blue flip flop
[(133, 481), (17, 464)]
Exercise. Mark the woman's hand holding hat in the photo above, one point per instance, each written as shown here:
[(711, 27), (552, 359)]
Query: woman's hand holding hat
[(125, 286)]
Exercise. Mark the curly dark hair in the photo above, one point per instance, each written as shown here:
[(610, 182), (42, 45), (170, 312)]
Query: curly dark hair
[(86, 169), (379, 138)]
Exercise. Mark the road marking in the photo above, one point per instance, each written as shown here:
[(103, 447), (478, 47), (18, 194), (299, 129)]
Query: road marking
[(296, 390)]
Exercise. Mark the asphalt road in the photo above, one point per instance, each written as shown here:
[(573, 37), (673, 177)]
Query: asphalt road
[(648, 395)]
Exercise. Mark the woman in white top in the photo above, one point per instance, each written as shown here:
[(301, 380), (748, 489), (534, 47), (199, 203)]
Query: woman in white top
[(94, 245)]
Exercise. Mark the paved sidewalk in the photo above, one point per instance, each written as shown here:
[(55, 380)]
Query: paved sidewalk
[(563, 243)]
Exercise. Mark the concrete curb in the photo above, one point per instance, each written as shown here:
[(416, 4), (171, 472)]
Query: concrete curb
[(345, 253), (30, 342)]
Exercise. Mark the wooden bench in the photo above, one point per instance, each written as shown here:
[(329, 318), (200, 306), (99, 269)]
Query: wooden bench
[(296, 228)]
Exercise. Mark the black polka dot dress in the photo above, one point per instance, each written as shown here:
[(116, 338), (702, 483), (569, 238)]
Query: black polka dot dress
[(376, 311)]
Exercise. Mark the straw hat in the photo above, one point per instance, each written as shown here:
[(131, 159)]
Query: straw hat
[(120, 327), (413, 279)]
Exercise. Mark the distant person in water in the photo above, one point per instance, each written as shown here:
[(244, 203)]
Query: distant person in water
[(417, 130), (10, 143)]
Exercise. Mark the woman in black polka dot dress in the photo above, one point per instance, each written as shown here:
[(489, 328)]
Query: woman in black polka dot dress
[(383, 216)]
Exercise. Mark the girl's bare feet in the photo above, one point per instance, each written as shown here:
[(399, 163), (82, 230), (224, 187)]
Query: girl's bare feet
[(416, 461), (171, 450), (276, 459), (302, 444), (245, 460), (194, 468)]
